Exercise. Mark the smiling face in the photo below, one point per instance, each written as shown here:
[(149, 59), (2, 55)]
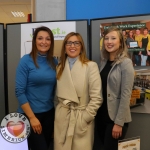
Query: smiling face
[(43, 42), (145, 32), (137, 32), (112, 42), (73, 47)]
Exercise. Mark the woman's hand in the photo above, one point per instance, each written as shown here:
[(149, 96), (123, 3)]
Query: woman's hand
[(36, 125), (117, 131)]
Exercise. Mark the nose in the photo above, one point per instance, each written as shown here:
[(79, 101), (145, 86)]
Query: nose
[(109, 40), (72, 44), (44, 41)]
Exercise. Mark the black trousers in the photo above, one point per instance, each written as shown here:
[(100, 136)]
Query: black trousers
[(103, 139), (42, 141)]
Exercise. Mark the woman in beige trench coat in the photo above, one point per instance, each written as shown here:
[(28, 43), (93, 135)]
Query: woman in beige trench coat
[(79, 96)]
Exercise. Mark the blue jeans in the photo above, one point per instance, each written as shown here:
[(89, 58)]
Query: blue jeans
[(143, 60), (137, 60)]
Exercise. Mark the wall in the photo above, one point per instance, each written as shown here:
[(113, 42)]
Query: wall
[(46, 10), (88, 9)]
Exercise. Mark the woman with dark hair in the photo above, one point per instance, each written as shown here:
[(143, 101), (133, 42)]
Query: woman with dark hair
[(117, 76), (129, 39), (79, 96), (35, 87)]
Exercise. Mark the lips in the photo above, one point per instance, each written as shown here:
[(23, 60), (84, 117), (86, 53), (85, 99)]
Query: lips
[(72, 50), (109, 46), (43, 46)]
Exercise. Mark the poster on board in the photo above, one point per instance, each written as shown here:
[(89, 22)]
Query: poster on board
[(137, 39), (59, 29)]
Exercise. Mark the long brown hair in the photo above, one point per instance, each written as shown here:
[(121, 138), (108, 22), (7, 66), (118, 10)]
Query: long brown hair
[(50, 52), (82, 56), (122, 52)]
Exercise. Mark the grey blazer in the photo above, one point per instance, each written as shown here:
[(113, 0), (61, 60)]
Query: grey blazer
[(119, 87)]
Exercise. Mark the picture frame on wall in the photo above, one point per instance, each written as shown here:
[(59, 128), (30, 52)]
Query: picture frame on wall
[(135, 29)]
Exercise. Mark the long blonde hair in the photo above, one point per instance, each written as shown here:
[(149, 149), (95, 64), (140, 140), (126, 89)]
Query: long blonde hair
[(82, 56), (122, 52)]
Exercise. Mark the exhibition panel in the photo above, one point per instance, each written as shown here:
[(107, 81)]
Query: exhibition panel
[(134, 25), (19, 39), (135, 28), (2, 99)]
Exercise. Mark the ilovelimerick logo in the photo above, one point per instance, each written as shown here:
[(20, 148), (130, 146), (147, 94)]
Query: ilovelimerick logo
[(15, 127)]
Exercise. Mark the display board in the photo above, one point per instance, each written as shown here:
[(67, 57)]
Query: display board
[(19, 37), (2, 99), (134, 25)]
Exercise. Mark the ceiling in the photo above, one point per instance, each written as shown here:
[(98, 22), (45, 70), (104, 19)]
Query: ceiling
[(6, 6)]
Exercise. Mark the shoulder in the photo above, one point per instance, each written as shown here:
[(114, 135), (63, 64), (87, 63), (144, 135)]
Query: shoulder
[(25, 58), (126, 61), (141, 36), (25, 61), (91, 63), (148, 36), (126, 64)]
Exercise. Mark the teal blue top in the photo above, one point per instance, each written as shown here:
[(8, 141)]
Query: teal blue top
[(35, 85)]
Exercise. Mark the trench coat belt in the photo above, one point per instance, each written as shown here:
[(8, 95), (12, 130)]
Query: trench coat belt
[(70, 121)]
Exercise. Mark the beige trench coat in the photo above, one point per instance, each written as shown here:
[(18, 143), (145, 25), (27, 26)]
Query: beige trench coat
[(79, 97)]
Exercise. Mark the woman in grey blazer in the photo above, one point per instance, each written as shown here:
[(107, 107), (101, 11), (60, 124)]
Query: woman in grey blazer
[(117, 76)]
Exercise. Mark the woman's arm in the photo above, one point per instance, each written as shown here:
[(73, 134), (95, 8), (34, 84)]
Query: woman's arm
[(148, 45), (22, 73), (127, 79), (36, 125)]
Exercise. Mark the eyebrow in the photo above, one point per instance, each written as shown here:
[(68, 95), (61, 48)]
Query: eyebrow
[(110, 36), (42, 36)]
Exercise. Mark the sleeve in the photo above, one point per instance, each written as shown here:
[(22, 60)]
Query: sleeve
[(101, 43), (127, 80), (148, 44), (21, 81), (95, 93)]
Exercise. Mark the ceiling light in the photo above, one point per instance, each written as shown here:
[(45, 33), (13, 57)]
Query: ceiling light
[(18, 14)]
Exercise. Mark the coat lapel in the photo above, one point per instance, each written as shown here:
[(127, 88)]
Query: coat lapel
[(65, 87), (78, 72), (102, 64)]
